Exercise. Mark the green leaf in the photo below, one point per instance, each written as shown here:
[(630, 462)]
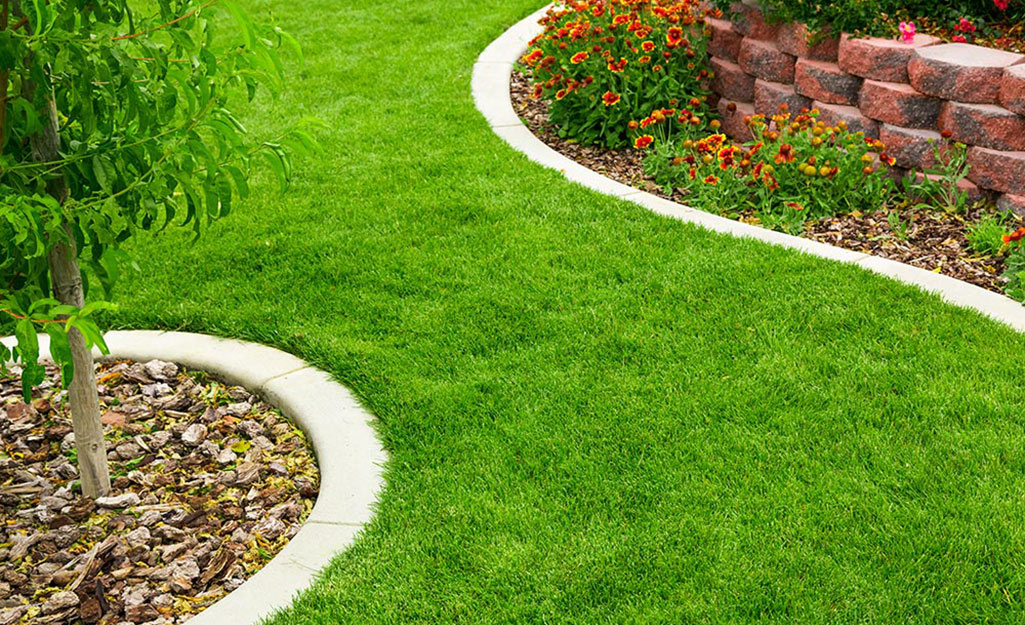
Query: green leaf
[(60, 351), (105, 173)]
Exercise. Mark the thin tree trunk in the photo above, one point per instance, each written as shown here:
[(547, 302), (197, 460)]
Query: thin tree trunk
[(66, 278)]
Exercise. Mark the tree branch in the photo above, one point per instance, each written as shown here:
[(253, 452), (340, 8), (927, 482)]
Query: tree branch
[(165, 25)]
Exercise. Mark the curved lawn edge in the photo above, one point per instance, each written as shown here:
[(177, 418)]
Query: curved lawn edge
[(349, 456), (492, 74)]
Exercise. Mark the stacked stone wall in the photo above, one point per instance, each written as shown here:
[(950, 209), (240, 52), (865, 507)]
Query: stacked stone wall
[(905, 94)]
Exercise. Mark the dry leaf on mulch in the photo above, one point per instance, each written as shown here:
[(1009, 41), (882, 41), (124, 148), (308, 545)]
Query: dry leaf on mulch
[(209, 483)]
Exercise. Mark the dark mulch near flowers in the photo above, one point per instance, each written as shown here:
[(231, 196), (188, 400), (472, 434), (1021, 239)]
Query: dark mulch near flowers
[(932, 240), (209, 483), (1002, 36)]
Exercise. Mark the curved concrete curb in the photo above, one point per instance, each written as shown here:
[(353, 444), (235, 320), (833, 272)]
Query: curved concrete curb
[(491, 77), (348, 452)]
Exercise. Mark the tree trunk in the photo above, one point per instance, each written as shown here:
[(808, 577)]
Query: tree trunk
[(66, 278)]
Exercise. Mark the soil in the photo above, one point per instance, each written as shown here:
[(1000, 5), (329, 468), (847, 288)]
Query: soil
[(209, 483), (933, 240)]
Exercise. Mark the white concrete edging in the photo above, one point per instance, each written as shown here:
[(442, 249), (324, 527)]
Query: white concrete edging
[(349, 455), (492, 74)]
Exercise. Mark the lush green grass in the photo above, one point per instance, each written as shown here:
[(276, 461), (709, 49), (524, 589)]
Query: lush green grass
[(596, 415)]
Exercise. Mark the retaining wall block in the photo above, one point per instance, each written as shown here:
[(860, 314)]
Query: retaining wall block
[(1012, 89), (997, 169), (750, 21), (724, 40), (985, 125), (793, 39), (912, 147), (899, 104), (833, 113), (733, 120), (961, 72), (764, 60), (1009, 202), (880, 59), (826, 82), (731, 82), (769, 96)]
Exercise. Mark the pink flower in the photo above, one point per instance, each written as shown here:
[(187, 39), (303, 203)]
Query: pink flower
[(959, 39), (1002, 4), (907, 31)]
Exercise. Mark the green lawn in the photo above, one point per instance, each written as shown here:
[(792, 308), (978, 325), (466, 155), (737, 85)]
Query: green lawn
[(594, 414)]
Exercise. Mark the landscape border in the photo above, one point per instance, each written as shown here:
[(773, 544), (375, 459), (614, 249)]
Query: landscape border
[(492, 74), (349, 455)]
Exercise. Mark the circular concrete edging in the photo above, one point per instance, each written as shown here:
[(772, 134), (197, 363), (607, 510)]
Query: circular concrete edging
[(349, 455), (492, 74)]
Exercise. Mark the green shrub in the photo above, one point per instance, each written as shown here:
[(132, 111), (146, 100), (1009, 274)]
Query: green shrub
[(603, 64)]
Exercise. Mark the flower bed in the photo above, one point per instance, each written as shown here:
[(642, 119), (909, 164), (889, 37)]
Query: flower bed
[(209, 484), (933, 240), (810, 129)]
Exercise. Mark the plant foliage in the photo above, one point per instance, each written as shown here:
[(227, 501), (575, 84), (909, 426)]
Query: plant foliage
[(602, 64), (138, 93)]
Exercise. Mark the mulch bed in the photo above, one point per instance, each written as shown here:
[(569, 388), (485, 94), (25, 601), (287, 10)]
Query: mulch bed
[(209, 483), (933, 240)]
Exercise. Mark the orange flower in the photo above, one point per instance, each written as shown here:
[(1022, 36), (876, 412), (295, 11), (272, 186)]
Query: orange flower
[(560, 94), (1015, 236), (795, 206), (610, 99), (578, 58), (644, 59), (643, 142), (538, 91), (674, 36), (533, 57), (617, 68), (621, 19), (712, 179), (785, 154), (648, 46)]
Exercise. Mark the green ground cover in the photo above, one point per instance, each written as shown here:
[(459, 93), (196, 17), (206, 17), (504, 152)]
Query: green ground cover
[(594, 414)]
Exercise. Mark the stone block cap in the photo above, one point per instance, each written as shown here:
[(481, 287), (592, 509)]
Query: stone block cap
[(880, 59), (960, 72)]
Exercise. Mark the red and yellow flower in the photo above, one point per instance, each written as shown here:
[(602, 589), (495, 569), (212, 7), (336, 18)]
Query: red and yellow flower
[(533, 56), (643, 141), (610, 99), (578, 58)]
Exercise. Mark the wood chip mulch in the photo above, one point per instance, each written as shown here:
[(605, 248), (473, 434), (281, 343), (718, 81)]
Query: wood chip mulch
[(209, 483), (932, 240)]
